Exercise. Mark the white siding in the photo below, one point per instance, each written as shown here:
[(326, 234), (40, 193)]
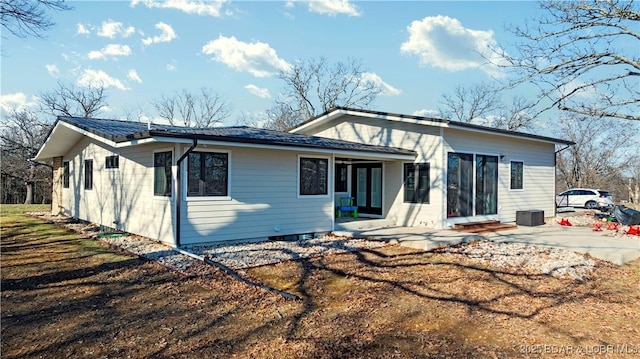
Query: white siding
[(121, 198), (263, 201), (432, 145), (539, 170), (425, 140)]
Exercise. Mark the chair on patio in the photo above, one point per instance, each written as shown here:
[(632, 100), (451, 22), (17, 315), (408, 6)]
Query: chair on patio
[(346, 206)]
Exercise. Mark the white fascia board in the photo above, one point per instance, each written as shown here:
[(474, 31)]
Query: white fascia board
[(346, 153), (512, 135), (320, 120)]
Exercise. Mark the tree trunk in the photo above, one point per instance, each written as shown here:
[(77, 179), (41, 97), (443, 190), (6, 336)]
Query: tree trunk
[(30, 192)]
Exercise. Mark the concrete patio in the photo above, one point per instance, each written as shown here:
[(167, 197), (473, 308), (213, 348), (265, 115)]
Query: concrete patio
[(615, 249)]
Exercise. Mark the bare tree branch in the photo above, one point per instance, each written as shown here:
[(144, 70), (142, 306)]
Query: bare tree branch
[(582, 56), (68, 100), (204, 109), (25, 18)]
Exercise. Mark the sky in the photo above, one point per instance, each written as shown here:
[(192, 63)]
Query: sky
[(141, 50)]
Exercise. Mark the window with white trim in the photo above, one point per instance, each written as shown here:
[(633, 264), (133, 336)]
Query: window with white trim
[(88, 174), (314, 176), (208, 174), (416, 183), (65, 174), (162, 162), (517, 174), (112, 162)]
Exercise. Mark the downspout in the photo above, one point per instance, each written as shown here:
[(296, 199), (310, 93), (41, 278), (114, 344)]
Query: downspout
[(179, 190)]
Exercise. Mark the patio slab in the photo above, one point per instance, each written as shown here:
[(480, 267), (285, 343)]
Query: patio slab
[(618, 250)]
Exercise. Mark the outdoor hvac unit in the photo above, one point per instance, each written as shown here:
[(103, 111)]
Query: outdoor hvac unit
[(530, 218)]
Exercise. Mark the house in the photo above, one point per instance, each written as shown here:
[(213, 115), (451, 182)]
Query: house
[(185, 186)]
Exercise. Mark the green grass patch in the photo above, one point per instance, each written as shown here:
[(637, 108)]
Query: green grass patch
[(21, 229)]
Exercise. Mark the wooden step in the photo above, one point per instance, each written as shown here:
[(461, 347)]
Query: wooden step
[(473, 225), (484, 227)]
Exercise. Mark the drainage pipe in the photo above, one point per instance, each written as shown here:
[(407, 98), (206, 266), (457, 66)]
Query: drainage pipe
[(179, 190), (235, 275)]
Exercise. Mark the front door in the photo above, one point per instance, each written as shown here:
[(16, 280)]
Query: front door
[(366, 187)]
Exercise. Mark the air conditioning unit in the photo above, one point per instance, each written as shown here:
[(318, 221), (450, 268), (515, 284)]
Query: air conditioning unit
[(530, 218)]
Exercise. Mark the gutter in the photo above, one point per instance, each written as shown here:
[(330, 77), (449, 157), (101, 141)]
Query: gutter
[(179, 191)]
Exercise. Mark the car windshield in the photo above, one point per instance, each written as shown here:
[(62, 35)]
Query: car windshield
[(604, 194)]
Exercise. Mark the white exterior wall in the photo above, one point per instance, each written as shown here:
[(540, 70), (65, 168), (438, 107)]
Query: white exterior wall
[(538, 191), (123, 195), (263, 200), (425, 140)]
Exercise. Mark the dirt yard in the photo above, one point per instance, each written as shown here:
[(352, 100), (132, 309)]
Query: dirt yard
[(67, 296)]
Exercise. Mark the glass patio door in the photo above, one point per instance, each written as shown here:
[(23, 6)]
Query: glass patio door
[(367, 187), (471, 191)]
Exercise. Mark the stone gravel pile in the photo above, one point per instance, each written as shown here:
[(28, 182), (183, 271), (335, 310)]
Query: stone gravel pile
[(240, 256), (526, 259)]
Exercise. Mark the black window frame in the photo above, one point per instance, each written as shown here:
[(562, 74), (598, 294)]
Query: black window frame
[(341, 177), (66, 171), (516, 179), (112, 162), (167, 165), (88, 175), (310, 168), (412, 175), (204, 175)]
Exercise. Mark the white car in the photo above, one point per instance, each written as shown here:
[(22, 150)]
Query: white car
[(585, 197)]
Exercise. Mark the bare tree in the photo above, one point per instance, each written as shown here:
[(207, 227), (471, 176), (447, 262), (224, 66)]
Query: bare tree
[(482, 104), (21, 136), (602, 151), (315, 86), (68, 100), (25, 18), (583, 56), (204, 109)]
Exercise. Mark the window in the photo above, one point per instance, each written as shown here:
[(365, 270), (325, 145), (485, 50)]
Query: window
[(65, 174), (416, 183), (517, 169), (111, 162), (162, 162), (341, 177), (88, 174), (313, 176), (207, 174)]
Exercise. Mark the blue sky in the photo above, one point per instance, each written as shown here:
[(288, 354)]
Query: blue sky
[(142, 49)]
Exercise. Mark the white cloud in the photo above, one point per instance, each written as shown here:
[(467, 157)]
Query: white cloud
[(426, 113), (16, 101), (112, 28), (260, 92), (111, 50), (210, 8), (387, 90), (167, 34), (52, 70), (333, 7), (257, 58), (442, 42), (171, 67), (94, 78), (133, 75), (82, 30)]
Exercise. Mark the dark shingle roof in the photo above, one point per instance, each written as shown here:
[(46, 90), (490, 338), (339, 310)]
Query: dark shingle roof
[(122, 131)]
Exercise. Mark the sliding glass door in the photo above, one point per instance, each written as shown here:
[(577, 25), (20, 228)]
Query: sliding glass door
[(471, 191), (486, 184), (459, 185)]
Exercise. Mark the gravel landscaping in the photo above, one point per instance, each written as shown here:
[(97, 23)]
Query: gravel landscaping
[(527, 259)]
